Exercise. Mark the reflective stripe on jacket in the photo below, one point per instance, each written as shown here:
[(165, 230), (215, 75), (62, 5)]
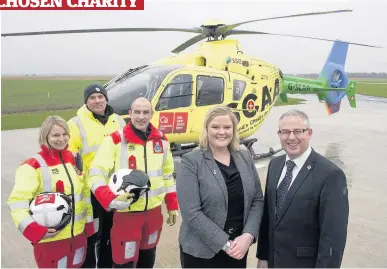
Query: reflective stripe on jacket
[(86, 135), (123, 149), (48, 171)]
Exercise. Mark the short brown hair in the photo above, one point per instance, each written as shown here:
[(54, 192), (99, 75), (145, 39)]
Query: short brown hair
[(211, 114)]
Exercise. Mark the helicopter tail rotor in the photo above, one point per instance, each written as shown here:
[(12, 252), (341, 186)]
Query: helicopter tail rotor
[(332, 84)]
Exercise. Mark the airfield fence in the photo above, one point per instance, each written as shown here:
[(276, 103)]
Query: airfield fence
[(35, 95)]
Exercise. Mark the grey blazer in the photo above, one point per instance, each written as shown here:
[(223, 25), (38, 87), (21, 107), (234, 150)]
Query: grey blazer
[(203, 200)]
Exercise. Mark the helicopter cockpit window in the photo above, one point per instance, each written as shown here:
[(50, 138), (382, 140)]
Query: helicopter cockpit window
[(210, 90), (178, 93), (238, 89), (140, 83)]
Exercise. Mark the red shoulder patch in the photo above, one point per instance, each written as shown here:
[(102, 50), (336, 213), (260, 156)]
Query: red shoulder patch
[(68, 157), (116, 137), (32, 162)]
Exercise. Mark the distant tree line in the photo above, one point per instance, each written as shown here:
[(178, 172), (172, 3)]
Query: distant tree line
[(350, 75)]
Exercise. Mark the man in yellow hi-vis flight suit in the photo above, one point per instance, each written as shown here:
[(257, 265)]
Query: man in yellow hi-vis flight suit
[(136, 228), (94, 121)]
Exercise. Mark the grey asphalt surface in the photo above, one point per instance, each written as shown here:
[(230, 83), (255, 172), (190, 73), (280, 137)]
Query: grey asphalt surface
[(355, 139)]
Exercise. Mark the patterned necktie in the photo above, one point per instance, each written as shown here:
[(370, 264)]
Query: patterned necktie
[(283, 188)]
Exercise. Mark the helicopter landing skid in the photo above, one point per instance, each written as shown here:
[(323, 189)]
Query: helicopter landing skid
[(248, 143), (180, 150)]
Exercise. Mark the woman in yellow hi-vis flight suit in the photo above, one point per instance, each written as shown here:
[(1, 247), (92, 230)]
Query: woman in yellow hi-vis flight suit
[(53, 169)]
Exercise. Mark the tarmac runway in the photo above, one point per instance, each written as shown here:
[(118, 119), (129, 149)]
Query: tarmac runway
[(355, 139)]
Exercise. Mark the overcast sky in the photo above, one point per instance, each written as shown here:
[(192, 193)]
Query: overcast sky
[(112, 53)]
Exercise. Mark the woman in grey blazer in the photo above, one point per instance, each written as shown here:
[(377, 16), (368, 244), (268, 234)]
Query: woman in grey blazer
[(220, 197)]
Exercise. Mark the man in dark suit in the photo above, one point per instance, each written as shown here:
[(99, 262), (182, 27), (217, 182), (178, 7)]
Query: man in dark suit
[(306, 206)]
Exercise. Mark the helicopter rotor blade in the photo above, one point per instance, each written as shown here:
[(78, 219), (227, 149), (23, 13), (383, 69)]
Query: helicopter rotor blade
[(242, 32), (224, 29), (106, 30), (189, 42)]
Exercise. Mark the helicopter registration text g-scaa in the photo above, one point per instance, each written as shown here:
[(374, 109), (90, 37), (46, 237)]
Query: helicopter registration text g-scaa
[(183, 87)]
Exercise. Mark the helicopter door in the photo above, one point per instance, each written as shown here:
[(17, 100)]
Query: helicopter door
[(174, 107), (210, 91)]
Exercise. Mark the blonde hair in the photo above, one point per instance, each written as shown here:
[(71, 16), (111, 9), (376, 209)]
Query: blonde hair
[(46, 127), (211, 114)]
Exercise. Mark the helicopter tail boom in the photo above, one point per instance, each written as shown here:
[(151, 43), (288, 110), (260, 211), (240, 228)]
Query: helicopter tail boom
[(332, 84)]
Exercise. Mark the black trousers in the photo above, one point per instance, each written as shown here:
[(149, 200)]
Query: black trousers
[(99, 250), (220, 260), (146, 259)]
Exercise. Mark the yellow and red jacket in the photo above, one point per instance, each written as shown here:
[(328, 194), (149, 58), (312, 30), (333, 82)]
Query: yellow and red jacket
[(86, 135), (124, 149), (48, 171)]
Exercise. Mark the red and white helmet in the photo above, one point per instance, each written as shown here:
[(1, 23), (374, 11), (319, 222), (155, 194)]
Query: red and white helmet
[(129, 181), (51, 210)]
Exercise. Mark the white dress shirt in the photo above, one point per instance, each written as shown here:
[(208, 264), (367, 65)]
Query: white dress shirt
[(299, 161)]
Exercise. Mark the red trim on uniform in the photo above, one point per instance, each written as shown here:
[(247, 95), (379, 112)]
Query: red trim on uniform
[(35, 232), (59, 186), (52, 158), (171, 201), (132, 164), (47, 255), (116, 137), (131, 137), (104, 196), (89, 229), (142, 226), (155, 133), (32, 162)]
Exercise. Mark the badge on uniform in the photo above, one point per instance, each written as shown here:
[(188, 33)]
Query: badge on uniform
[(132, 162), (130, 147), (157, 146)]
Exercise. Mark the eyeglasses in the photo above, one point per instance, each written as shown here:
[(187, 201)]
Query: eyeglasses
[(296, 132)]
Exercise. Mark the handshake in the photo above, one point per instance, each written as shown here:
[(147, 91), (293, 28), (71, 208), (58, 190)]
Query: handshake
[(121, 202)]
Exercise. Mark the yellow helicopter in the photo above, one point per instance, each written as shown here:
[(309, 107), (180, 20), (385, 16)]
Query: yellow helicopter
[(184, 86)]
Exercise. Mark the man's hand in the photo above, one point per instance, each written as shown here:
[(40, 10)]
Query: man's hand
[(262, 264), (172, 214), (121, 202), (240, 246)]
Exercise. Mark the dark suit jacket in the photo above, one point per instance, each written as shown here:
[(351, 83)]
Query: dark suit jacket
[(203, 200), (311, 230)]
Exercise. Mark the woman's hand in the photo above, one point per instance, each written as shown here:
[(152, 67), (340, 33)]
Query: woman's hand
[(50, 230), (240, 246)]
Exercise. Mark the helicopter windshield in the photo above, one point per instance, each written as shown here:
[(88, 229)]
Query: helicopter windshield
[(140, 83)]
